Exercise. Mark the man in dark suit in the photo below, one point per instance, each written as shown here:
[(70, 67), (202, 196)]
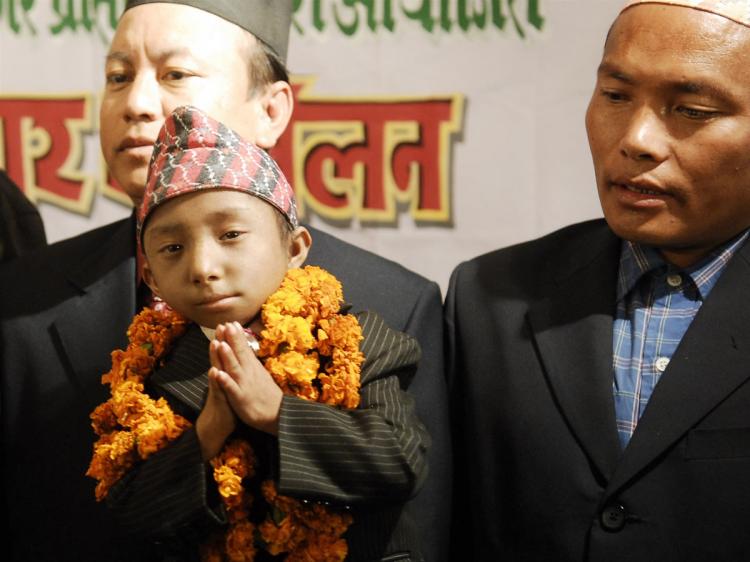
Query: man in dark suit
[(21, 227), (600, 373), (65, 309)]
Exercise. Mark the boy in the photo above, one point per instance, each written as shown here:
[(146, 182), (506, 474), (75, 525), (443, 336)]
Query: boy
[(215, 255)]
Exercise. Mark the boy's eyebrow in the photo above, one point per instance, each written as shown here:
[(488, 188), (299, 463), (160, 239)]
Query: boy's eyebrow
[(177, 227), (166, 229), (228, 213)]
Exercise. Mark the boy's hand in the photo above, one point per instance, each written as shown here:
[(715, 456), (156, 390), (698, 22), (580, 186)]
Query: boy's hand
[(216, 421), (249, 388)]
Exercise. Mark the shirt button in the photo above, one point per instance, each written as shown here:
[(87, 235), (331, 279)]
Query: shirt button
[(661, 364), (674, 280), (613, 518)]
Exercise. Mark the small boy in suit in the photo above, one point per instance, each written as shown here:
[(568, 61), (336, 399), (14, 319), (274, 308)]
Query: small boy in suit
[(210, 422)]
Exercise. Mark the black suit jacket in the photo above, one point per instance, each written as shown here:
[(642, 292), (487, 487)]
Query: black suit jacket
[(21, 227), (66, 307), (542, 475)]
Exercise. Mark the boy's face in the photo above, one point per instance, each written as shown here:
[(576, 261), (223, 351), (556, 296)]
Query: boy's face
[(216, 255)]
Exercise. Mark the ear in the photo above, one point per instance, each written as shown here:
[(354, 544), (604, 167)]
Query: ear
[(299, 245), (275, 106), (148, 278)]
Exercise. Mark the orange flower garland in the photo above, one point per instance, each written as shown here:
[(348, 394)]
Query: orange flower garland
[(310, 350), (131, 425)]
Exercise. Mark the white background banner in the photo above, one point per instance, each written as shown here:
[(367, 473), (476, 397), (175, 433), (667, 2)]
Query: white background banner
[(507, 163)]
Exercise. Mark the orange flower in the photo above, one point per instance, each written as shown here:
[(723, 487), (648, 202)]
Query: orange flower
[(320, 548), (278, 538), (340, 331), (295, 372), (103, 418), (285, 332), (114, 455), (240, 545)]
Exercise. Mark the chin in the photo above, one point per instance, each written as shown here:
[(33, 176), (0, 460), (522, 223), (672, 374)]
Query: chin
[(641, 230), (133, 186)]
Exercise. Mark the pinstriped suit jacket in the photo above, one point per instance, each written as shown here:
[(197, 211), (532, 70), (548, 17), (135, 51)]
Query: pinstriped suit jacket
[(370, 460)]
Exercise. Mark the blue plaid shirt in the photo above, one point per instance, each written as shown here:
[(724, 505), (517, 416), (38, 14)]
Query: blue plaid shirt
[(656, 302)]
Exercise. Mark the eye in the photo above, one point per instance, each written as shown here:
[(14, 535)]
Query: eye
[(231, 235), (170, 249), (176, 75), (696, 114), (116, 78), (614, 96)]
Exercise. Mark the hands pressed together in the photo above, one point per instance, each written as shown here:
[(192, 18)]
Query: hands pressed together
[(239, 387)]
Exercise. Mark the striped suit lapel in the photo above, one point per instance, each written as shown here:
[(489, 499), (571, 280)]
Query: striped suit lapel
[(385, 350), (184, 378)]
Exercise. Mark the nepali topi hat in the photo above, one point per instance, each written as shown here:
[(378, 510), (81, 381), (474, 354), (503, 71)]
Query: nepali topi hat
[(735, 10), (194, 152), (268, 20)]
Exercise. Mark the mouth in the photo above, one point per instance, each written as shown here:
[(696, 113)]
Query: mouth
[(136, 144), (215, 301), (639, 191)]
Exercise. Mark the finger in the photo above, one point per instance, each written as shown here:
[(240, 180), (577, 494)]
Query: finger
[(223, 384), (236, 338), (232, 366), (213, 354), (220, 332)]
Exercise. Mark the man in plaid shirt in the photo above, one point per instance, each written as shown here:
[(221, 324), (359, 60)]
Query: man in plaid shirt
[(600, 373)]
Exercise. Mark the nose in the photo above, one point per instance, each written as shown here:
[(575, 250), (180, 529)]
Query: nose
[(646, 136), (143, 102), (205, 267)]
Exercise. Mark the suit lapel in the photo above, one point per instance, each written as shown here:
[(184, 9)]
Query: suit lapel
[(92, 323), (183, 379), (709, 364), (573, 332)]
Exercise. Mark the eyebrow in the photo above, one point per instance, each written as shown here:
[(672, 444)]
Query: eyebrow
[(164, 229), (680, 86), (611, 71), (177, 227), (122, 56)]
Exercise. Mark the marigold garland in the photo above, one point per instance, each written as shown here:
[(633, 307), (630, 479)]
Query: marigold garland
[(310, 350)]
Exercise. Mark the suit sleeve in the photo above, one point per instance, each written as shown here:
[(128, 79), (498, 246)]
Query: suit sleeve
[(169, 497), (431, 507), (374, 453)]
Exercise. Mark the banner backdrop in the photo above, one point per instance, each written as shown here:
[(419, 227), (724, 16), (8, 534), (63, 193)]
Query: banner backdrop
[(428, 131)]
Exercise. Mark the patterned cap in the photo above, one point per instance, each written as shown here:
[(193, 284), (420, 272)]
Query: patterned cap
[(268, 20), (735, 10), (195, 152)]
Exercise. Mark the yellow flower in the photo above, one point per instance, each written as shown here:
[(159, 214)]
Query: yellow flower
[(230, 484)]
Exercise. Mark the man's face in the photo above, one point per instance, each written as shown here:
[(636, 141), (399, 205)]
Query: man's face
[(669, 129), (163, 56), (216, 256)]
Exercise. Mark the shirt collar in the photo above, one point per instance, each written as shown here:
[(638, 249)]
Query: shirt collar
[(252, 338), (638, 260)]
